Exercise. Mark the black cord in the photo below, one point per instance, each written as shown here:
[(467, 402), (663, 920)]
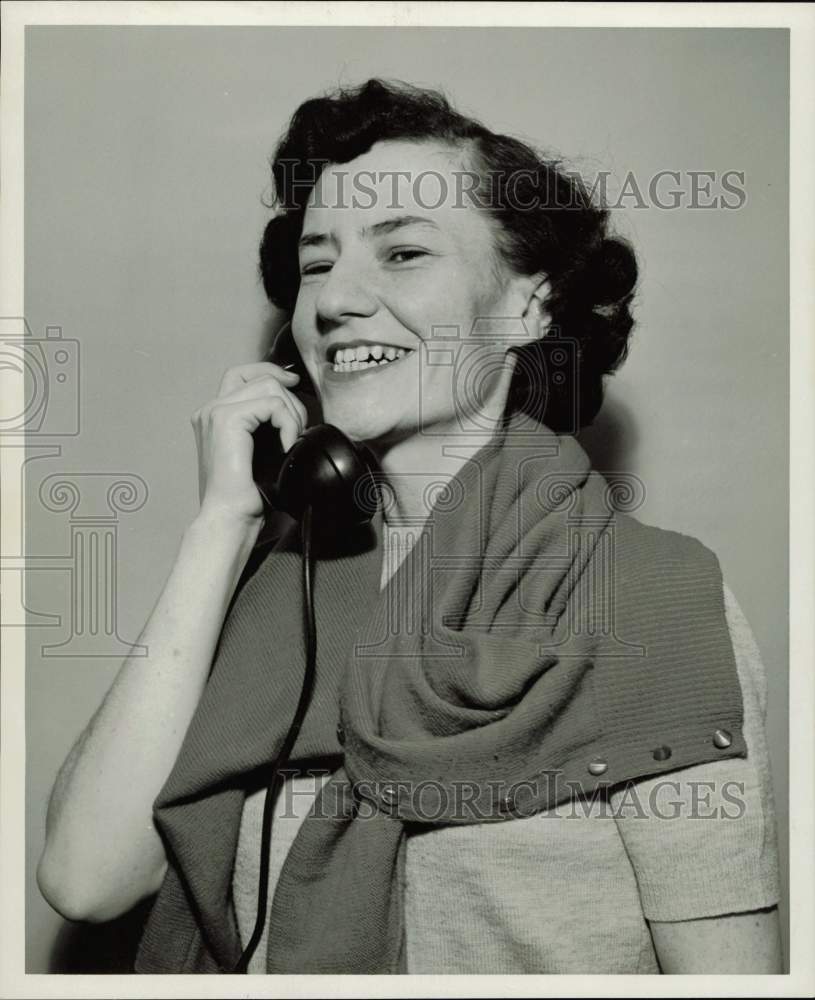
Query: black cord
[(276, 780)]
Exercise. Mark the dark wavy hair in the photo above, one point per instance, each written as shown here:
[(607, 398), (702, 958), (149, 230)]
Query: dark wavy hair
[(546, 222)]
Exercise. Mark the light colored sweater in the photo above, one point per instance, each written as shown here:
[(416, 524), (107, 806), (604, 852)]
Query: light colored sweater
[(570, 890)]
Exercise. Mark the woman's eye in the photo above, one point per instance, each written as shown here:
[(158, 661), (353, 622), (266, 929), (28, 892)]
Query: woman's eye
[(320, 267), (404, 254)]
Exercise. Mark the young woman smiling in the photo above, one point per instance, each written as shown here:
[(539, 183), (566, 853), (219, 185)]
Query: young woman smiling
[(428, 266)]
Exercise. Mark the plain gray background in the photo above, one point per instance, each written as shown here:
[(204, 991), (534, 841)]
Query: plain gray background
[(146, 162)]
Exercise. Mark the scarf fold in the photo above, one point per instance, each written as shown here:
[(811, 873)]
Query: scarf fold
[(533, 646)]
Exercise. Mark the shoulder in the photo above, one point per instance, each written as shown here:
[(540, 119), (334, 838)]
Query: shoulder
[(664, 573), (674, 557), (670, 547)]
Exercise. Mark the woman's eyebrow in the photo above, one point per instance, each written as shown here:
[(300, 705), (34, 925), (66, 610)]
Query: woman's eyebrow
[(313, 239), (391, 225), (377, 229)]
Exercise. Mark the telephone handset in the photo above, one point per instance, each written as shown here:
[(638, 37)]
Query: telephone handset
[(323, 470)]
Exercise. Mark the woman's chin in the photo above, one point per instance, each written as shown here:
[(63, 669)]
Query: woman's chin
[(360, 426)]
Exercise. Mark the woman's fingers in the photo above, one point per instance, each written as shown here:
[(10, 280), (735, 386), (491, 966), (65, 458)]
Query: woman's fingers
[(234, 378), (265, 385), (224, 429), (230, 418)]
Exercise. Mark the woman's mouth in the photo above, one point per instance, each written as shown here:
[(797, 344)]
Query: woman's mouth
[(365, 357)]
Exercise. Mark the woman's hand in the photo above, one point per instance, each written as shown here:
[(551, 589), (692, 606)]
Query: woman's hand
[(248, 396)]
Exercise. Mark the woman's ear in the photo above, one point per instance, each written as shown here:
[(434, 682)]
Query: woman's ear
[(536, 315)]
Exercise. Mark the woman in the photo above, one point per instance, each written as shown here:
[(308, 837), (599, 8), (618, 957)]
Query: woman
[(456, 302)]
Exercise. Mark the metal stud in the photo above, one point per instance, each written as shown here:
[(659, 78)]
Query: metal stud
[(598, 766), (722, 739), (662, 753)]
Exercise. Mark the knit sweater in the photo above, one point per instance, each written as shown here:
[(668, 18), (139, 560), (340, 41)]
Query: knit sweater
[(479, 898), (579, 650)]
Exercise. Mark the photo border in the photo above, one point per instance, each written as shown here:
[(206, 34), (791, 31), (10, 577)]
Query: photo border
[(14, 981)]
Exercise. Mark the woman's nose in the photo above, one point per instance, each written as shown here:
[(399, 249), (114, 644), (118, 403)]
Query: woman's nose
[(344, 294)]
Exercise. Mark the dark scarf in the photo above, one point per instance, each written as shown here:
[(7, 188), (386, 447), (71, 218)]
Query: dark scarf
[(534, 645)]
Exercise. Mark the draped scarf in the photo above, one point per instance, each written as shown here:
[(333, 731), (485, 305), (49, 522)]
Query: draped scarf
[(536, 644)]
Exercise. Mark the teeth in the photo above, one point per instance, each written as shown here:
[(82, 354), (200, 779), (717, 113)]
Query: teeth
[(352, 359)]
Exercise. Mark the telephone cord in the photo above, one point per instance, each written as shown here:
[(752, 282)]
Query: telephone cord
[(276, 780)]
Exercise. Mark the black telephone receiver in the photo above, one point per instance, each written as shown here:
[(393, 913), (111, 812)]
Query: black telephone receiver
[(324, 470)]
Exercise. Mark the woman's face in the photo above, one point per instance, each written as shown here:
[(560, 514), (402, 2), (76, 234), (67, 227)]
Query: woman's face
[(380, 270)]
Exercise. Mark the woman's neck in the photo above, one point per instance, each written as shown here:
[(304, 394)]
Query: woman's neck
[(417, 467), (416, 471)]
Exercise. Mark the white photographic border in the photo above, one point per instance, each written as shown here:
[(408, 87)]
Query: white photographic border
[(800, 19)]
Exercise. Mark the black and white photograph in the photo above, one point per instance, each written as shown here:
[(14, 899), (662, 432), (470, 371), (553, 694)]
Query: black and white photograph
[(407, 478)]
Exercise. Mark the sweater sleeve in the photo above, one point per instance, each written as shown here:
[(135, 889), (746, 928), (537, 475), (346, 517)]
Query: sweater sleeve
[(702, 840)]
